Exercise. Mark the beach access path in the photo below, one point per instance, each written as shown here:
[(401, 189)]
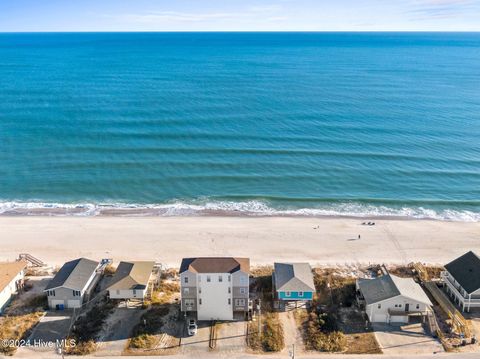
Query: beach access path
[(320, 241)]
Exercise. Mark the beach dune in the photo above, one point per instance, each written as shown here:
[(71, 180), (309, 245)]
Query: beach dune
[(265, 240)]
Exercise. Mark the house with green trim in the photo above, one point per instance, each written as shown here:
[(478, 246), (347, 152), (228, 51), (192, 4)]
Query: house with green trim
[(292, 283)]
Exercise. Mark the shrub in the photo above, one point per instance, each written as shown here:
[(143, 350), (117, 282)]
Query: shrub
[(272, 337), (143, 341), (150, 324), (322, 334)]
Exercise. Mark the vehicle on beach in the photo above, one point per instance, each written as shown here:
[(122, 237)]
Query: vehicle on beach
[(192, 327)]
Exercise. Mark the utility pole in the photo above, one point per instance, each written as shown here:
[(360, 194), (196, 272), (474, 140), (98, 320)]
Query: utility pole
[(259, 317)]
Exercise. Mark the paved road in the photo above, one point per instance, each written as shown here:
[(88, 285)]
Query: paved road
[(213, 355)]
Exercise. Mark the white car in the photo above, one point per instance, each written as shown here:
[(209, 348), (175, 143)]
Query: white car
[(192, 327)]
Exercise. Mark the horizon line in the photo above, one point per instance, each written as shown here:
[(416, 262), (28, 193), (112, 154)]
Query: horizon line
[(238, 31)]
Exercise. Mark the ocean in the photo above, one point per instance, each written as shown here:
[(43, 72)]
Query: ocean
[(308, 124)]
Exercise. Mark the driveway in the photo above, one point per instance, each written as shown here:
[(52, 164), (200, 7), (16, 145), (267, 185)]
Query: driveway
[(408, 339), (52, 327), (197, 343), (292, 334), (231, 337), (117, 330)]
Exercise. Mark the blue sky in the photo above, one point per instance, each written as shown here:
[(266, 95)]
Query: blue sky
[(240, 15)]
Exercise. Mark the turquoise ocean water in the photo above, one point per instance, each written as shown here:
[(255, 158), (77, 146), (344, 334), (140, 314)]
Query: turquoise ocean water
[(361, 124)]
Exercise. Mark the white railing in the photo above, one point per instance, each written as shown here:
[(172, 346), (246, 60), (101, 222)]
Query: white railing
[(454, 288)]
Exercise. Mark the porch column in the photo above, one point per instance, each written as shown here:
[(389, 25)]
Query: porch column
[(469, 300)]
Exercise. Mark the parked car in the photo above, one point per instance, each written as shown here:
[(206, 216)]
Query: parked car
[(192, 327)]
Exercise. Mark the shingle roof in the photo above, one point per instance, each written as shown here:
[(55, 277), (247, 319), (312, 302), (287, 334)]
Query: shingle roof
[(466, 271), (293, 277), (215, 265), (9, 270), (389, 286), (74, 274), (132, 275)]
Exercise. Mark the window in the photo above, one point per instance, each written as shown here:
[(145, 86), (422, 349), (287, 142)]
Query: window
[(243, 280), (51, 293), (379, 306), (209, 279), (399, 305), (199, 290), (200, 301), (239, 302), (300, 294), (189, 302), (229, 290), (243, 290), (287, 294), (76, 293), (220, 278), (185, 280), (229, 301), (134, 292), (229, 278), (186, 290), (418, 306)]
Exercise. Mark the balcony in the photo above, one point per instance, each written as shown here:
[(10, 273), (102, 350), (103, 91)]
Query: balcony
[(455, 288)]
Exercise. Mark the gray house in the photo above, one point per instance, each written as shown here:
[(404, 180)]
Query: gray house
[(215, 288), (462, 281), (71, 283), (391, 299)]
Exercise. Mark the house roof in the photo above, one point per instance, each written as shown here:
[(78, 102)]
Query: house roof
[(215, 265), (466, 271), (132, 275), (74, 274), (293, 277), (9, 270), (390, 286)]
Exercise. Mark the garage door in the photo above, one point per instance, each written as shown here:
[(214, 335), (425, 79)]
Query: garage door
[(73, 304), (55, 302), (399, 319), (379, 318)]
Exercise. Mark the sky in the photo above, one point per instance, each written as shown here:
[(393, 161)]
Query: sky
[(239, 15)]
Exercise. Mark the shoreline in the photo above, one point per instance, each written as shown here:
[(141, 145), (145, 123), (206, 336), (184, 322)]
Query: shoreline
[(320, 241), (249, 209)]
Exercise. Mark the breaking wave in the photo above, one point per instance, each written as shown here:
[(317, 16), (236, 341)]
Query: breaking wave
[(231, 208)]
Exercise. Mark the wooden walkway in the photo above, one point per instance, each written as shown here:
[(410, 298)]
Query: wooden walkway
[(459, 323)]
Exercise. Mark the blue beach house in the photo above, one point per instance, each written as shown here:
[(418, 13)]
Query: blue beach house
[(292, 284)]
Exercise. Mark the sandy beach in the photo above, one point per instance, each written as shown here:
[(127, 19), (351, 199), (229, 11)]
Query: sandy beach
[(265, 240)]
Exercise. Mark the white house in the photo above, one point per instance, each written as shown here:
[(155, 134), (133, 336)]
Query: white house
[(391, 299), (11, 281), (462, 281), (215, 288), (130, 280), (71, 283)]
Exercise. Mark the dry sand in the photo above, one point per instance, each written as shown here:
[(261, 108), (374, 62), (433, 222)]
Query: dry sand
[(265, 240)]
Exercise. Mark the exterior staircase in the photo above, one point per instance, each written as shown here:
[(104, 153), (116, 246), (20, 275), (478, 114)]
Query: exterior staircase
[(31, 260)]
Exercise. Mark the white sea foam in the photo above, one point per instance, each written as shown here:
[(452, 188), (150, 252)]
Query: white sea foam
[(245, 208)]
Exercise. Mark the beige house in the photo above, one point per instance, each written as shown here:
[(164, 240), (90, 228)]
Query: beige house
[(130, 280), (11, 280), (215, 288), (461, 279), (391, 299)]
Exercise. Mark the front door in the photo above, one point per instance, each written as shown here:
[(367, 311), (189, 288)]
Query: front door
[(407, 307)]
